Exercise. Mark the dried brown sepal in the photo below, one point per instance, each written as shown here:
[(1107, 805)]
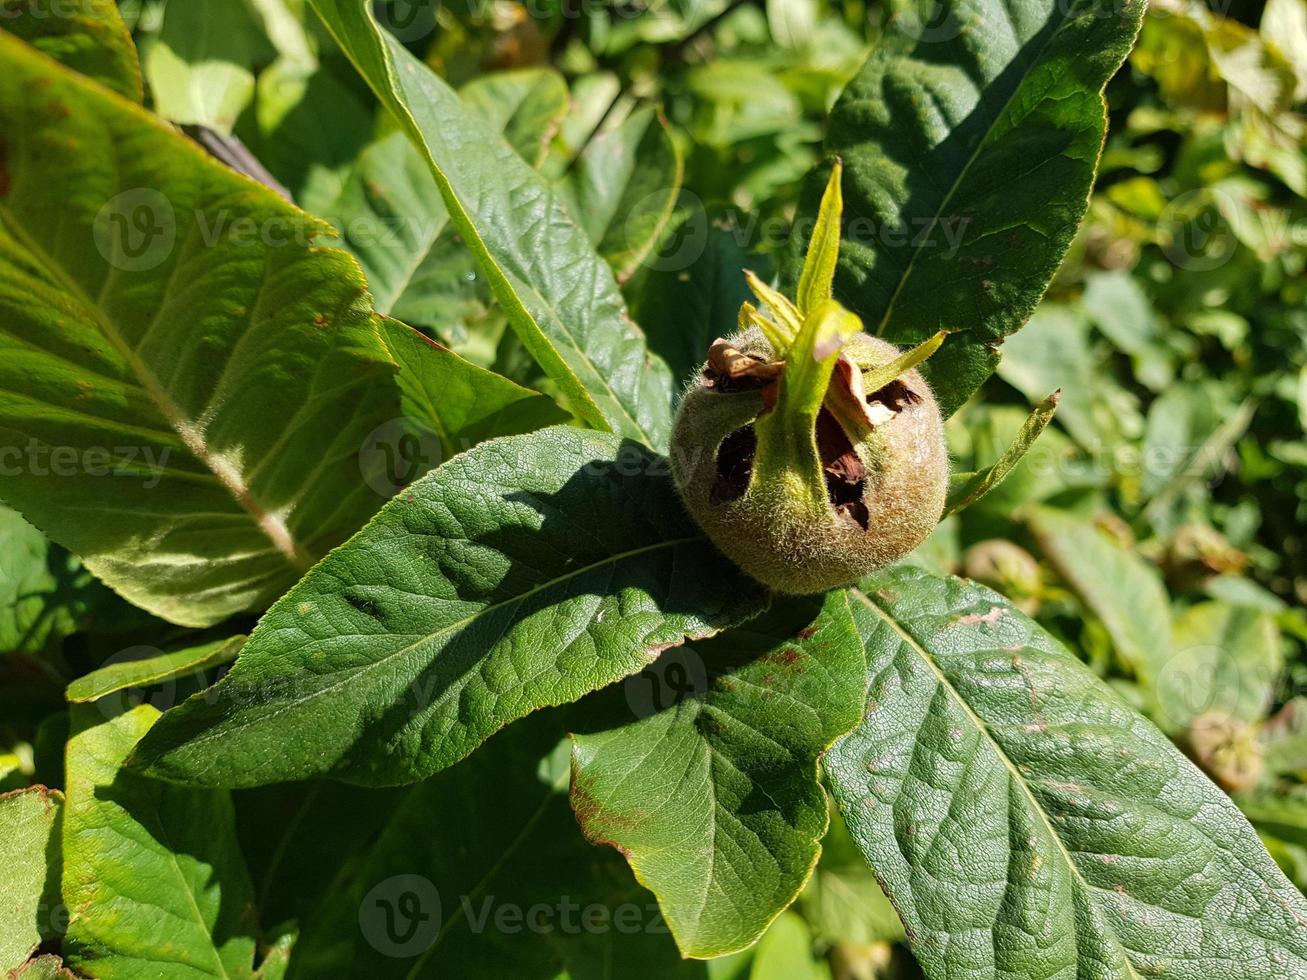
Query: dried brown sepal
[(730, 369), (846, 400)]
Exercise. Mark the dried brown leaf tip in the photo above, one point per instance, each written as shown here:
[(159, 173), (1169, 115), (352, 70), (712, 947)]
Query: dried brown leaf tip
[(730, 369)]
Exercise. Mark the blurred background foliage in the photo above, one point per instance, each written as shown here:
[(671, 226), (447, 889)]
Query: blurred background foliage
[(1157, 526)]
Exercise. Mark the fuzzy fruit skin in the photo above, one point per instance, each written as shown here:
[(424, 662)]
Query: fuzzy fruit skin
[(779, 541)]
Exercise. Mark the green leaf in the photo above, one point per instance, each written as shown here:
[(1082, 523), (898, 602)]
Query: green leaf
[(713, 796), (1028, 824), (153, 880), (1284, 26), (282, 22), (390, 214), (153, 670), (187, 380), (456, 402), (285, 132), (1115, 584), (1191, 433), (624, 189), (970, 140), (46, 594), (785, 953), (29, 854), (558, 294), (43, 968), (685, 305), (1053, 464), (1284, 737), (88, 36), (967, 488), (843, 902), (506, 888), (524, 573), (526, 105), (1120, 308), (817, 280), (200, 66), (1281, 812)]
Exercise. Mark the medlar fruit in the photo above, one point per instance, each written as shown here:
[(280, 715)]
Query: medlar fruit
[(811, 452)]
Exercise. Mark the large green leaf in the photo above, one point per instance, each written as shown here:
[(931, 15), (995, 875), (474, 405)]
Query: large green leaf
[(506, 888), (526, 572), (970, 140), (185, 379), (1028, 824), (29, 855), (558, 294), (88, 36), (712, 795), (153, 880)]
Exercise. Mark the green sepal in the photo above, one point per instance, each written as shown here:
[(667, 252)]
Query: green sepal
[(786, 461), (817, 281)]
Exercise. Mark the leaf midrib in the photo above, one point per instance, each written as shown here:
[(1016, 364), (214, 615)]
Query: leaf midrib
[(942, 679), (272, 526)]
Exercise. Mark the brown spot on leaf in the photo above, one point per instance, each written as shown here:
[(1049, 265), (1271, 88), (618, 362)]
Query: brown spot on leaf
[(586, 808), (787, 657), (975, 619)]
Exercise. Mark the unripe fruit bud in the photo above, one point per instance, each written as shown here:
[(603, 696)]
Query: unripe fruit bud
[(811, 452), (883, 492), (1228, 749)]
